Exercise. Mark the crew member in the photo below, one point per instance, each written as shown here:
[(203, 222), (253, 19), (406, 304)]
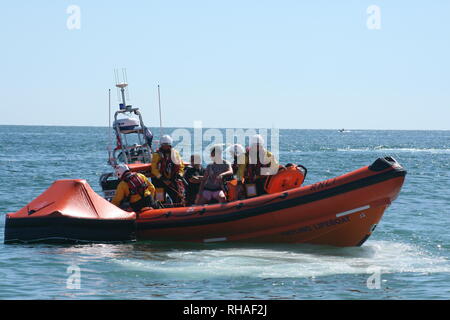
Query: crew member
[(258, 165), (168, 170), (135, 188)]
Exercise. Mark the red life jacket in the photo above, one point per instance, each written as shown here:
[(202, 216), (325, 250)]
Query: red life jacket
[(166, 166), (136, 184)]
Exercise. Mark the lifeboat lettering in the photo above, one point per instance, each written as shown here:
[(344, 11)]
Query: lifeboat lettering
[(299, 230), (317, 226), (331, 223)]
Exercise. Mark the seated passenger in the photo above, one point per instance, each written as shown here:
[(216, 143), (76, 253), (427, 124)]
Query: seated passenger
[(135, 188), (211, 187), (193, 175)]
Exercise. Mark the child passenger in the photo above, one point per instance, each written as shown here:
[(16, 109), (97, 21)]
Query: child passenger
[(212, 186)]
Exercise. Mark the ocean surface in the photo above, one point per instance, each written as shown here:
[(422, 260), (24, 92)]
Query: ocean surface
[(409, 253)]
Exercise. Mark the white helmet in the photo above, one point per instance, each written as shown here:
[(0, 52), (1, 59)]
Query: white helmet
[(236, 149), (120, 169), (257, 139), (166, 139)]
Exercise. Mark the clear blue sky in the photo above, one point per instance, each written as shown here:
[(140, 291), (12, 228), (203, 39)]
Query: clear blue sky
[(233, 63)]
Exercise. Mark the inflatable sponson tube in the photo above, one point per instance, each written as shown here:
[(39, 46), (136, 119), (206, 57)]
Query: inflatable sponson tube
[(69, 211)]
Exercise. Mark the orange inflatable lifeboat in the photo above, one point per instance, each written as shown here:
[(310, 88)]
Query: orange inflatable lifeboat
[(342, 211)]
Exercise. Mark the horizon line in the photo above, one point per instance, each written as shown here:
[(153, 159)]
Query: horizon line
[(186, 127)]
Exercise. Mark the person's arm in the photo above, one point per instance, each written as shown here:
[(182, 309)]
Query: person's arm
[(181, 164), (195, 179), (229, 172), (150, 187), (273, 160), (199, 197), (155, 161), (189, 175), (273, 169), (203, 181), (120, 194)]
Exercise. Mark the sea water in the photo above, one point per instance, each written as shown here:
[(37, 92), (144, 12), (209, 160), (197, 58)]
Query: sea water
[(407, 257)]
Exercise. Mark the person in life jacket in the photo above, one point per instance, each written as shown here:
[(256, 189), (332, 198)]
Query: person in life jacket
[(257, 166), (135, 188), (237, 156), (168, 170)]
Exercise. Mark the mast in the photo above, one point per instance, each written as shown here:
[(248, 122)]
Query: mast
[(160, 114), (128, 126), (109, 125)]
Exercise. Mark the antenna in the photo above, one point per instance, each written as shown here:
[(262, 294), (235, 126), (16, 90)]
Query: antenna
[(122, 87), (160, 113), (125, 79)]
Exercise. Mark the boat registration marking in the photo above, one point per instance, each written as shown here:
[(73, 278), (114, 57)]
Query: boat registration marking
[(215, 239), (352, 211)]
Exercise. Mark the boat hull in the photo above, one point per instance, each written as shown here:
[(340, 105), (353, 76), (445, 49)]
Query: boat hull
[(342, 211)]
